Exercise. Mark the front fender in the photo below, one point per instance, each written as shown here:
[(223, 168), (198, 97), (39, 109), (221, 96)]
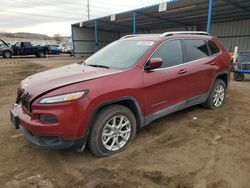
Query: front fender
[(96, 107)]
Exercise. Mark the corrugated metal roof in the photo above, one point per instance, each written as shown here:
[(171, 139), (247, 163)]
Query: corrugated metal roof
[(179, 13)]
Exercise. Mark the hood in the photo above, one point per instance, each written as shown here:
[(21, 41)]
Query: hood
[(5, 48), (40, 83)]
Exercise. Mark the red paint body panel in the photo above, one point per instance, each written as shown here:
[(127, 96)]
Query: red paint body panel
[(163, 88), (58, 77), (72, 119)]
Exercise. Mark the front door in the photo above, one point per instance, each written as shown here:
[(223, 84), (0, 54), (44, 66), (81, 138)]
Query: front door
[(166, 86)]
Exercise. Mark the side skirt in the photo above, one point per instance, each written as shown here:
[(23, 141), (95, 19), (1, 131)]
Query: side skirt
[(177, 107)]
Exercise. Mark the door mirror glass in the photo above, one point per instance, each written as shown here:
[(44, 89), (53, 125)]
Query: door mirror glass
[(153, 63)]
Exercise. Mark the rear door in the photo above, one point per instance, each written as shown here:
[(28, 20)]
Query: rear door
[(201, 67), (29, 49), (165, 86)]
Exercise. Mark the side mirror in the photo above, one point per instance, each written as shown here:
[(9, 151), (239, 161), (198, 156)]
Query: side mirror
[(153, 63)]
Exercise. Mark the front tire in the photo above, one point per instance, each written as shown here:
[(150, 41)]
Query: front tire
[(217, 95), (113, 130), (7, 54)]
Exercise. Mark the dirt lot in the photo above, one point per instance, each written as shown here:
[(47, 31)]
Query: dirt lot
[(192, 148)]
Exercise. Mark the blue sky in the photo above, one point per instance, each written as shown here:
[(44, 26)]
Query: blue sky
[(56, 16)]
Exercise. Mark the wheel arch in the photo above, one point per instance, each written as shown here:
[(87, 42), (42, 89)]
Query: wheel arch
[(130, 102), (223, 75), (7, 50), (42, 50)]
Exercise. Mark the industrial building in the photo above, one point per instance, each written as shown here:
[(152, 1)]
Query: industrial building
[(227, 19)]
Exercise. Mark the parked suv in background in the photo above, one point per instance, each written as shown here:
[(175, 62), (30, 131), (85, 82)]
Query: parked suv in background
[(54, 49), (122, 87), (5, 50)]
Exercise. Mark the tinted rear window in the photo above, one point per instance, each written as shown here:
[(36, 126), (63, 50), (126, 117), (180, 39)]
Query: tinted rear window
[(213, 47), (195, 49)]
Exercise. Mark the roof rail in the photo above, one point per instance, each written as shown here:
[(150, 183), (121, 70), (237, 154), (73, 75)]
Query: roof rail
[(139, 35), (169, 34), (185, 33), (130, 36)]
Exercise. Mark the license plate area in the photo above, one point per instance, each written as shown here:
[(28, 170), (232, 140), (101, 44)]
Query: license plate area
[(14, 119)]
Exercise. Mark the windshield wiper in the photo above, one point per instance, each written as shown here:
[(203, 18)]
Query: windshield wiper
[(100, 66)]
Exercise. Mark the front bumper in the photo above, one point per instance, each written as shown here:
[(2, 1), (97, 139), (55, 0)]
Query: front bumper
[(49, 142), (54, 142), (68, 132)]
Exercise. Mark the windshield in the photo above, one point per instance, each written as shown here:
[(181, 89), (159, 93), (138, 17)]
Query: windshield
[(121, 54)]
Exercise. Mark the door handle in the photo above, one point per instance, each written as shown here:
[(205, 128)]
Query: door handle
[(182, 71)]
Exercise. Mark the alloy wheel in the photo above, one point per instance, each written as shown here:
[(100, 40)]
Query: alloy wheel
[(219, 96), (116, 133)]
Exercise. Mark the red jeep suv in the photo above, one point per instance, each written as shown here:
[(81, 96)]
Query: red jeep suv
[(126, 85)]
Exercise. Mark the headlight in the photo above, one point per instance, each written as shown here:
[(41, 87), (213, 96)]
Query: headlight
[(63, 98)]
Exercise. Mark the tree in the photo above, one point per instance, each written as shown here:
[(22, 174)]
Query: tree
[(57, 37)]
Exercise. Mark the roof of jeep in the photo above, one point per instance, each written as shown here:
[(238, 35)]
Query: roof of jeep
[(157, 37)]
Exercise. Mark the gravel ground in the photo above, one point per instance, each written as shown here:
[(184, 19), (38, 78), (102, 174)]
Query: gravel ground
[(193, 148)]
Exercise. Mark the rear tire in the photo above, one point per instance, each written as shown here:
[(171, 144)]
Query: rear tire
[(41, 54), (113, 130), (239, 76), (7, 54), (217, 95)]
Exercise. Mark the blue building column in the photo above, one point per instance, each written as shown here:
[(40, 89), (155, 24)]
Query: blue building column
[(209, 17), (96, 37), (134, 23)]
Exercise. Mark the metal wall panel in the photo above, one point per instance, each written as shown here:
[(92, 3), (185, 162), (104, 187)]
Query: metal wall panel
[(169, 29), (160, 30), (84, 43), (233, 33)]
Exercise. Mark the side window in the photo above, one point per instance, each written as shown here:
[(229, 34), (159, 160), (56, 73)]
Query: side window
[(195, 49), (27, 44), (18, 45), (213, 47), (171, 53)]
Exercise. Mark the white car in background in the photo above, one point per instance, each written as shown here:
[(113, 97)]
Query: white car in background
[(66, 49)]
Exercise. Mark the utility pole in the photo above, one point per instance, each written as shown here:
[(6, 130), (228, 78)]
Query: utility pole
[(88, 10)]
